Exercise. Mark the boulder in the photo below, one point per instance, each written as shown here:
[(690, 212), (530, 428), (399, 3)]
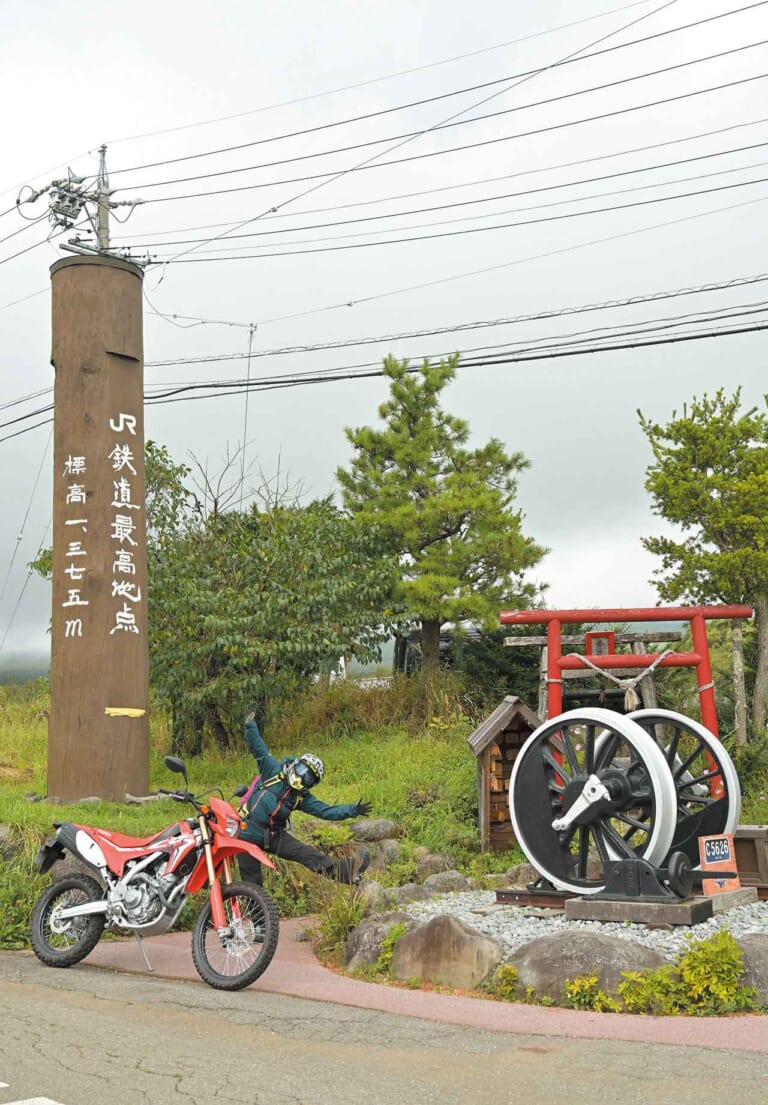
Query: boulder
[(446, 951), (364, 943), (754, 945), (374, 829), (374, 897), (520, 875), (408, 892), (430, 864), (545, 963), (385, 852), (446, 882)]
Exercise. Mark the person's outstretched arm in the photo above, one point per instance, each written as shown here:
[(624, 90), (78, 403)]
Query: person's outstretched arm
[(269, 765), (315, 807)]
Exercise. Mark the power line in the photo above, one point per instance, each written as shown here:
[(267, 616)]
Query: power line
[(180, 260), (506, 195), (24, 587), (463, 111), (453, 121), (26, 516), (332, 175), (546, 254), (341, 374), (374, 80), (482, 180), (23, 299), (442, 96), (610, 304), (559, 341)]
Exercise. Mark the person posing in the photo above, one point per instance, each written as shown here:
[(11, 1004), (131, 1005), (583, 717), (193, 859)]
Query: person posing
[(283, 788)]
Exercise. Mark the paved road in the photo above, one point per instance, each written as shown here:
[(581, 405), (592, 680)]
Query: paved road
[(86, 1036)]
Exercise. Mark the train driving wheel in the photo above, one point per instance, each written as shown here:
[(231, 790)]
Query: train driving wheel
[(588, 787), (708, 795)]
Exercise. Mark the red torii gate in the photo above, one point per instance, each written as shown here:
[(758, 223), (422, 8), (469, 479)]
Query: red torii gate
[(699, 659)]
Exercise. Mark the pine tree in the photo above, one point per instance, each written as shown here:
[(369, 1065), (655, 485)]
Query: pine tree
[(444, 509)]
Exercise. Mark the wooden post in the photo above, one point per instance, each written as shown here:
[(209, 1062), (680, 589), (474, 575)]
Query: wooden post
[(648, 684), (98, 731)]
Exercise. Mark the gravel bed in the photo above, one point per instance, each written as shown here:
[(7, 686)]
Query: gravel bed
[(513, 926)]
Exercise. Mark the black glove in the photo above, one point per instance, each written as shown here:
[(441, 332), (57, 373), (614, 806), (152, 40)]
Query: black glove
[(254, 713), (363, 808)]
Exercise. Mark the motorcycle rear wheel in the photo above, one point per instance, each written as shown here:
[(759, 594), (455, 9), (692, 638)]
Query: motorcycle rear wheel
[(64, 943), (238, 958)]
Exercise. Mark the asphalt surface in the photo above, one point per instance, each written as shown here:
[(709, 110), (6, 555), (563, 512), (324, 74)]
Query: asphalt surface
[(86, 1036), (304, 1035)]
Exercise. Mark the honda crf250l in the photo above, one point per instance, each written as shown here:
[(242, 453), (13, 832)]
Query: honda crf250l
[(143, 884)]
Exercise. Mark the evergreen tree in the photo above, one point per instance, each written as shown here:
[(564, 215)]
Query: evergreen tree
[(444, 509), (710, 478)]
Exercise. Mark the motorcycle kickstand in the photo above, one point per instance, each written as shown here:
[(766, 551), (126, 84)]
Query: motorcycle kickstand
[(144, 956)]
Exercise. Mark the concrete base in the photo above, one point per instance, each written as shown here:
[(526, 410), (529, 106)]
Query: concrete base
[(729, 899), (690, 911)]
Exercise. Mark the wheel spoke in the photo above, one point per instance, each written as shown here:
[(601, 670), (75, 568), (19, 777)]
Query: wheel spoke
[(606, 753), (614, 838), (590, 749), (549, 758), (570, 751)]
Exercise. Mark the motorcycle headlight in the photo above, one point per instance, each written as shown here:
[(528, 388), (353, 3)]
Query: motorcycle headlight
[(232, 826)]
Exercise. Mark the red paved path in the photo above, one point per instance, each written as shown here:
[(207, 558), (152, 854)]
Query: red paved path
[(296, 972)]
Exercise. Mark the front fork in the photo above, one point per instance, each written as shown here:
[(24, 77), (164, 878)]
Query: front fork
[(214, 883)]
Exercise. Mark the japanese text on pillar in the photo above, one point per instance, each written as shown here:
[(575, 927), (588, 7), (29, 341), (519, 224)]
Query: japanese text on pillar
[(75, 468), (124, 527)]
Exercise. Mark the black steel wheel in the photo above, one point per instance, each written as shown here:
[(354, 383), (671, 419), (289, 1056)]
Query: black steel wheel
[(707, 786), (235, 958), (61, 942), (588, 787)]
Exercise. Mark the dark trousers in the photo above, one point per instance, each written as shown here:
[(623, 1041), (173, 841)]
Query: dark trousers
[(285, 846)]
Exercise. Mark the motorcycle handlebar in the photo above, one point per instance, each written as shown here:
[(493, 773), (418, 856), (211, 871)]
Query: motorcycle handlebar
[(178, 796)]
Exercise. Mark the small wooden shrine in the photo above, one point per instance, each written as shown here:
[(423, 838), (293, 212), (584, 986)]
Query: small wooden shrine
[(496, 743)]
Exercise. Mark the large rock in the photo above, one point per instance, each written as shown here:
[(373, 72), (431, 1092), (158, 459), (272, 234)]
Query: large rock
[(755, 948), (520, 875), (446, 951), (374, 829), (408, 892), (446, 882), (385, 852), (364, 943), (374, 897), (430, 864), (545, 963)]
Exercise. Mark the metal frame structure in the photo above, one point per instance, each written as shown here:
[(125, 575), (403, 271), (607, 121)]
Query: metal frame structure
[(557, 663)]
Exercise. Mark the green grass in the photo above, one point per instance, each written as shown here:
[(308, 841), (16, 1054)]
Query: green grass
[(418, 773)]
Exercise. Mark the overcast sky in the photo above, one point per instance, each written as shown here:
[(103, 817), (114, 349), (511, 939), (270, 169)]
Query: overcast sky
[(149, 78)]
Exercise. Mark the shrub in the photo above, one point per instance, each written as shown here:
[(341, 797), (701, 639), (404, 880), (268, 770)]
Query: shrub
[(705, 981), (583, 992), (384, 962), (503, 983)]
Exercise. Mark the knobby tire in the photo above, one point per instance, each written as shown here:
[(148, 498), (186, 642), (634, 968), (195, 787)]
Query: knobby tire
[(85, 931), (262, 914)]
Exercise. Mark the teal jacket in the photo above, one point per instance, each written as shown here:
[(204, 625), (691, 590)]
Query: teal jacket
[(269, 807)]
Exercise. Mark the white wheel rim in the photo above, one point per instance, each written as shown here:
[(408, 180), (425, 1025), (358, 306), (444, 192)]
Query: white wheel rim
[(712, 743), (664, 791)]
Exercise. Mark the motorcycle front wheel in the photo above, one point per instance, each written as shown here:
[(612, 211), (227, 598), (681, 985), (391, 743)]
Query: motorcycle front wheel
[(236, 957), (61, 942)]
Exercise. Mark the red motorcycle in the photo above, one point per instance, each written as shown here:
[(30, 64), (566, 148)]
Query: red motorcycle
[(144, 883)]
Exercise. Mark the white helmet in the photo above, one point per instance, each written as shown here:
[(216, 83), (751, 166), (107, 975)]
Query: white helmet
[(304, 772)]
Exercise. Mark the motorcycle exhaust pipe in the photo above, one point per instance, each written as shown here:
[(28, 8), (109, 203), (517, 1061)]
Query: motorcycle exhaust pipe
[(82, 910)]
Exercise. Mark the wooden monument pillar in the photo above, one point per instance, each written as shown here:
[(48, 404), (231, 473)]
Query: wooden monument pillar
[(98, 732)]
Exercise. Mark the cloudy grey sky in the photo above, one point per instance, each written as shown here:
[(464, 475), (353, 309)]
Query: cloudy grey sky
[(162, 83)]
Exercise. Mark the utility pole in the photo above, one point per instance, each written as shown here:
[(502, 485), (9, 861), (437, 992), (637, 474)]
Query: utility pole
[(98, 730), (102, 192)]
